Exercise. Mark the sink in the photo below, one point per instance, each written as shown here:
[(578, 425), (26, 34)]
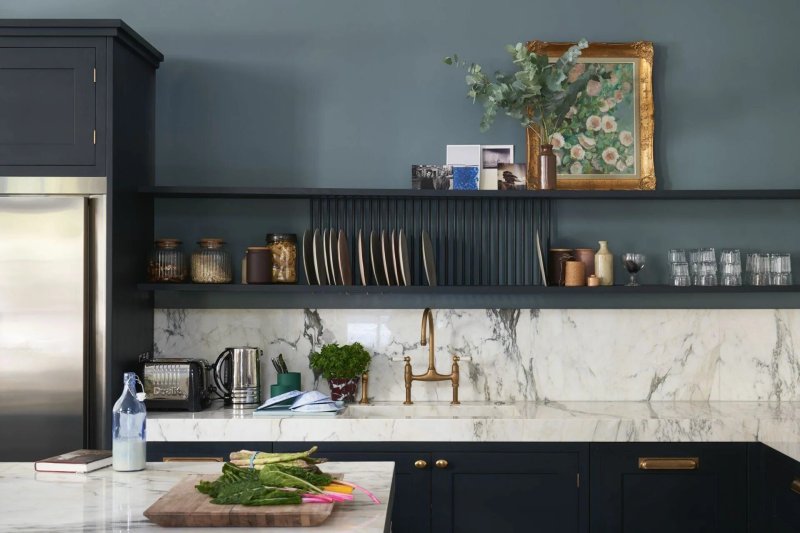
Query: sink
[(435, 410)]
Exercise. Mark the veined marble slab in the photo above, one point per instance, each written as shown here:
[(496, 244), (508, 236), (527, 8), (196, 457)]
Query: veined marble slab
[(487, 422), (106, 500), (524, 354)]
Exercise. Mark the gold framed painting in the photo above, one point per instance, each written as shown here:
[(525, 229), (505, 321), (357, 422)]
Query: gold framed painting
[(606, 139)]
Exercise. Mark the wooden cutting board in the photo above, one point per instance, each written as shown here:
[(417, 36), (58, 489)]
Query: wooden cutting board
[(184, 506)]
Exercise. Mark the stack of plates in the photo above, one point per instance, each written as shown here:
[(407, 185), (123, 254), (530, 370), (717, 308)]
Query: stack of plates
[(326, 258)]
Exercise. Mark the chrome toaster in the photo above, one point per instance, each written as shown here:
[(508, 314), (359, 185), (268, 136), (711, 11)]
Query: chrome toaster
[(177, 384)]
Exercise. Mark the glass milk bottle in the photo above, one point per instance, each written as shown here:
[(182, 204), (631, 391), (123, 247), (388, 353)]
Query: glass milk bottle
[(128, 433)]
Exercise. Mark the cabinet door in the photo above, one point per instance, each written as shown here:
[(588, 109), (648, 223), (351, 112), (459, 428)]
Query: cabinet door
[(47, 105), (782, 484), (412, 485), (682, 487), (489, 491)]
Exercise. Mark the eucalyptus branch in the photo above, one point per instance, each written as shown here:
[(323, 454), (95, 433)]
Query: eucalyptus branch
[(537, 84)]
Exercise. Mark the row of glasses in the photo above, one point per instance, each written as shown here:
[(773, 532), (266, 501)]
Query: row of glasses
[(769, 269), (699, 267)]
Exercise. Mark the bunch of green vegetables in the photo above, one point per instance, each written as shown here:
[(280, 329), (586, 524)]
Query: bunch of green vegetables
[(276, 479)]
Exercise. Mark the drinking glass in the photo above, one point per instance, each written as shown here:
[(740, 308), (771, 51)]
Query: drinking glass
[(679, 274), (730, 257), (634, 263), (780, 269), (758, 269), (705, 274), (731, 274), (676, 255)]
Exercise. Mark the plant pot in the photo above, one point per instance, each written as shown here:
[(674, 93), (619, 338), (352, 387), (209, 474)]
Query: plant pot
[(343, 389), (547, 168)]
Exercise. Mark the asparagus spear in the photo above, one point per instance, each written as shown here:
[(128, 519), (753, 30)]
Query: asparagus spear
[(262, 458)]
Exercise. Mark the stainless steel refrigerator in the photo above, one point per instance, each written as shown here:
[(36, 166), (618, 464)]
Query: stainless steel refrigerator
[(52, 313)]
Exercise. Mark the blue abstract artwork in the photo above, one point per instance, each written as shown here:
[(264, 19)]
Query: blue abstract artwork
[(466, 178)]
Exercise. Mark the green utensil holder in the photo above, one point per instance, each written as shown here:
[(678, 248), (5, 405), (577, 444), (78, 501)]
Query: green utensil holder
[(291, 380), (276, 390)]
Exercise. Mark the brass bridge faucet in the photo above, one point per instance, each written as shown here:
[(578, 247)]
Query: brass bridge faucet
[(427, 338)]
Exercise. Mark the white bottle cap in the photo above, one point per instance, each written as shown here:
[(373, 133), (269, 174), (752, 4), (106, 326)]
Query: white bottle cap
[(141, 396)]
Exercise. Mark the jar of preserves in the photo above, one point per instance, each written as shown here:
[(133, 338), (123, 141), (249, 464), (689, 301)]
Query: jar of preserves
[(167, 262), (284, 257), (258, 265), (211, 262)]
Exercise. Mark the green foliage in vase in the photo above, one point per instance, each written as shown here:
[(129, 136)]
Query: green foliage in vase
[(334, 361), (538, 95)]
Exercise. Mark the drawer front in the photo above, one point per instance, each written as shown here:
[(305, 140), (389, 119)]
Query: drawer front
[(669, 487)]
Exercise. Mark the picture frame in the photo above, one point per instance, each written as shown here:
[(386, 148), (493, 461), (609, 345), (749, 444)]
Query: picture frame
[(613, 145), (493, 155)]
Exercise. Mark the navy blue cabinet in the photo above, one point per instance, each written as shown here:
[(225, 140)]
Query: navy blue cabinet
[(48, 103), (781, 492), (656, 487)]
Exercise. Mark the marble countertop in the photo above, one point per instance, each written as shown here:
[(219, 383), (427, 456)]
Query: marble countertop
[(776, 424), (106, 500)]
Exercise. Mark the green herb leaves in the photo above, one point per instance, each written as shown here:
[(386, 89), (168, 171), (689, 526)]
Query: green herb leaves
[(334, 361)]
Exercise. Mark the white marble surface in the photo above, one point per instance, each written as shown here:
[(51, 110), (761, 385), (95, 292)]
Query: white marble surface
[(772, 423), (563, 355), (105, 500)]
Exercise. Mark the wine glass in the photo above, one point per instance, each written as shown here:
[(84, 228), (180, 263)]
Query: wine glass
[(633, 264)]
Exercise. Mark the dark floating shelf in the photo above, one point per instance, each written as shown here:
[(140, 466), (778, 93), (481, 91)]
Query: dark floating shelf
[(479, 290), (309, 193)]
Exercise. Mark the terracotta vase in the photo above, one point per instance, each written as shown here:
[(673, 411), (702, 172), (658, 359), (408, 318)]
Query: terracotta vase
[(343, 389), (547, 168)]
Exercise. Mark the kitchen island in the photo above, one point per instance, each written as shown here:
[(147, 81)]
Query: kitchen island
[(106, 500)]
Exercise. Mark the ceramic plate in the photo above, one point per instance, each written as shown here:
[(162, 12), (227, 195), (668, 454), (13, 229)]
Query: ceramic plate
[(398, 276), (319, 259), (333, 257), (376, 258), (345, 270), (362, 258), (308, 257), (388, 260), (428, 259), (327, 256), (541, 259), (405, 263)]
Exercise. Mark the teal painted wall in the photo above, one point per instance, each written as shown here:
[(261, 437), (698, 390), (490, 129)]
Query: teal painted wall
[(352, 92)]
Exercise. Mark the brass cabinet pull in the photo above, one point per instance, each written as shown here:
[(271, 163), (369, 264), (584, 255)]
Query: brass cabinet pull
[(192, 459), (795, 486), (421, 464), (669, 463), (441, 463)]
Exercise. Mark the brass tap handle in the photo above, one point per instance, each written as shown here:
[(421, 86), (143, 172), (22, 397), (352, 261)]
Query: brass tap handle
[(364, 387), (421, 464), (441, 463)]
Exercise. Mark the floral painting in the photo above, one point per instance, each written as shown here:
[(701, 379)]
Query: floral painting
[(598, 134), (606, 139)]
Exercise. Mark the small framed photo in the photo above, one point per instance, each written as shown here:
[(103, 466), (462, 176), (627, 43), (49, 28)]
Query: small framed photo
[(432, 177), (512, 177), (491, 157), (466, 177)]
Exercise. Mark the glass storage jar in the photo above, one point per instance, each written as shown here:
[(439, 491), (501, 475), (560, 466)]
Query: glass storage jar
[(284, 257), (167, 262), (211, 262)]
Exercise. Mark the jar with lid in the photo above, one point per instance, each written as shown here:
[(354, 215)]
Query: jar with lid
[(211, 262), (167, 262), (284, 257)]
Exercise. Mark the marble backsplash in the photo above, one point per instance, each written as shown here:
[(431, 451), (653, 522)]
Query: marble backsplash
[(523, 354)]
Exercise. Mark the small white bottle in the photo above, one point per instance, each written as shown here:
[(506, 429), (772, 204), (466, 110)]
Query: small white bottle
[(604, 264), (128, 444)]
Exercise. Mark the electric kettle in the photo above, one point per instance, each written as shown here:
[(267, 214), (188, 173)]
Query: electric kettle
[(237, 373)]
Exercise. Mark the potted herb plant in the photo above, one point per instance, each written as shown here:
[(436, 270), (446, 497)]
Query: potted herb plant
[(539, 95), (342, 366)]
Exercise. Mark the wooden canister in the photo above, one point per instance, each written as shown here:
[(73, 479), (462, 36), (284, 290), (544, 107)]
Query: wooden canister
[(574, 274), (556, 257), (586, 256), (259, 265)]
